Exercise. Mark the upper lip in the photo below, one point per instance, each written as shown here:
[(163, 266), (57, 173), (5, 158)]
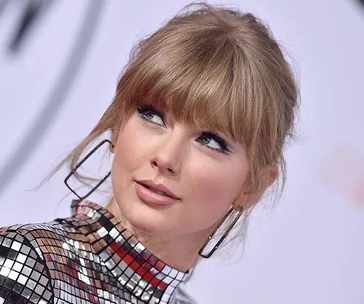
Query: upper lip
[(159, 187)]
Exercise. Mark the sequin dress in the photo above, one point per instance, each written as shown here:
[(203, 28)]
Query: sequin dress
[(86, 258)]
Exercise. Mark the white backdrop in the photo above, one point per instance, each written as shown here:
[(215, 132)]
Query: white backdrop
[(57, 84)]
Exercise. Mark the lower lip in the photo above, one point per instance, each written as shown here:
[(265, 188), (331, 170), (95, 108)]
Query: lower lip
[(153, 198)]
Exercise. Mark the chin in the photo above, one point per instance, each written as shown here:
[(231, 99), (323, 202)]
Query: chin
[(149, 220)]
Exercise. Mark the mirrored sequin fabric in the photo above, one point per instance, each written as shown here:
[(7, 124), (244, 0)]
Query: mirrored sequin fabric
[(86, 258)]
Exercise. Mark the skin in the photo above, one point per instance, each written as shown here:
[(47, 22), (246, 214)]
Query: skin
[(193, 166)]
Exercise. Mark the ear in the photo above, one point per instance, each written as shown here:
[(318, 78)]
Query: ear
[(270, 175), (114, 139), (248, 198)]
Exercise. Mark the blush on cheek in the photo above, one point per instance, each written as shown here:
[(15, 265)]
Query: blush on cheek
[(217, 188), (135, 145), (212, 192), (206, 201), (128, 154)]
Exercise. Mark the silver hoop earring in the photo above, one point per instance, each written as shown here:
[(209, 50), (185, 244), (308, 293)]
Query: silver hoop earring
[(226, 233), (80, 163)]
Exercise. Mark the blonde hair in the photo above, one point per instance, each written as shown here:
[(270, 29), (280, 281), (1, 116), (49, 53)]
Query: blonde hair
[(215, 67)]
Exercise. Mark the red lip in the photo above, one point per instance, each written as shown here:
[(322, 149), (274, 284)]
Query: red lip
[(159, 187)]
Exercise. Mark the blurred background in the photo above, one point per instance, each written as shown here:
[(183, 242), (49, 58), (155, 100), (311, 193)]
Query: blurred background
[(59, 64)]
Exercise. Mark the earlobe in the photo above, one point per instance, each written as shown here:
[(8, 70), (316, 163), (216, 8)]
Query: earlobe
[(247, 200), (114, 138), (271, 174), (244, 200)]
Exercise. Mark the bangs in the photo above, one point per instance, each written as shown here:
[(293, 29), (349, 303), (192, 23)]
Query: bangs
[(204, 85)]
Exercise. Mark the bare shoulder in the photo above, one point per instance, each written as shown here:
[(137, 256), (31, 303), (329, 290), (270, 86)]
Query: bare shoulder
[(23, 271)]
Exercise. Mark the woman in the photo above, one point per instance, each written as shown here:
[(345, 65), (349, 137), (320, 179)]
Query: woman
[(198, 124)]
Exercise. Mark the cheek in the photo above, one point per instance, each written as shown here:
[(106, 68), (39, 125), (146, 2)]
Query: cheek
[(131, 151), (216, 184)]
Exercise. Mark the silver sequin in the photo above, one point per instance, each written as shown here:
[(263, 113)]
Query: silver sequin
[(83, 259)]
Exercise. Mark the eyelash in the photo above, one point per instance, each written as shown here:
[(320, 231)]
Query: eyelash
[(223, 144), (144, 109)]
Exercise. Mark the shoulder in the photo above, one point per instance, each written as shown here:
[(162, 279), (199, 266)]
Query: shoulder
[(24, 276)]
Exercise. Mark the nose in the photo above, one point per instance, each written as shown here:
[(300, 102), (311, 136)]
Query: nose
[(168, 156)]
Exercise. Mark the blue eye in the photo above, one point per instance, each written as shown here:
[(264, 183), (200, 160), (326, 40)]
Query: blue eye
[(151, 114), (214, 142), (209, 139)]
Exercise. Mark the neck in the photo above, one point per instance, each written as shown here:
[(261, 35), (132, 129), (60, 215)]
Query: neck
[(179, 252)]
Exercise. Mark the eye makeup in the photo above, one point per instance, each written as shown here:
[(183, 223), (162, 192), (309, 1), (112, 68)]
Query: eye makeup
[(146, 110)]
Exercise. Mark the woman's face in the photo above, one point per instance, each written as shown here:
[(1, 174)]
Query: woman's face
[(202, 171)]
